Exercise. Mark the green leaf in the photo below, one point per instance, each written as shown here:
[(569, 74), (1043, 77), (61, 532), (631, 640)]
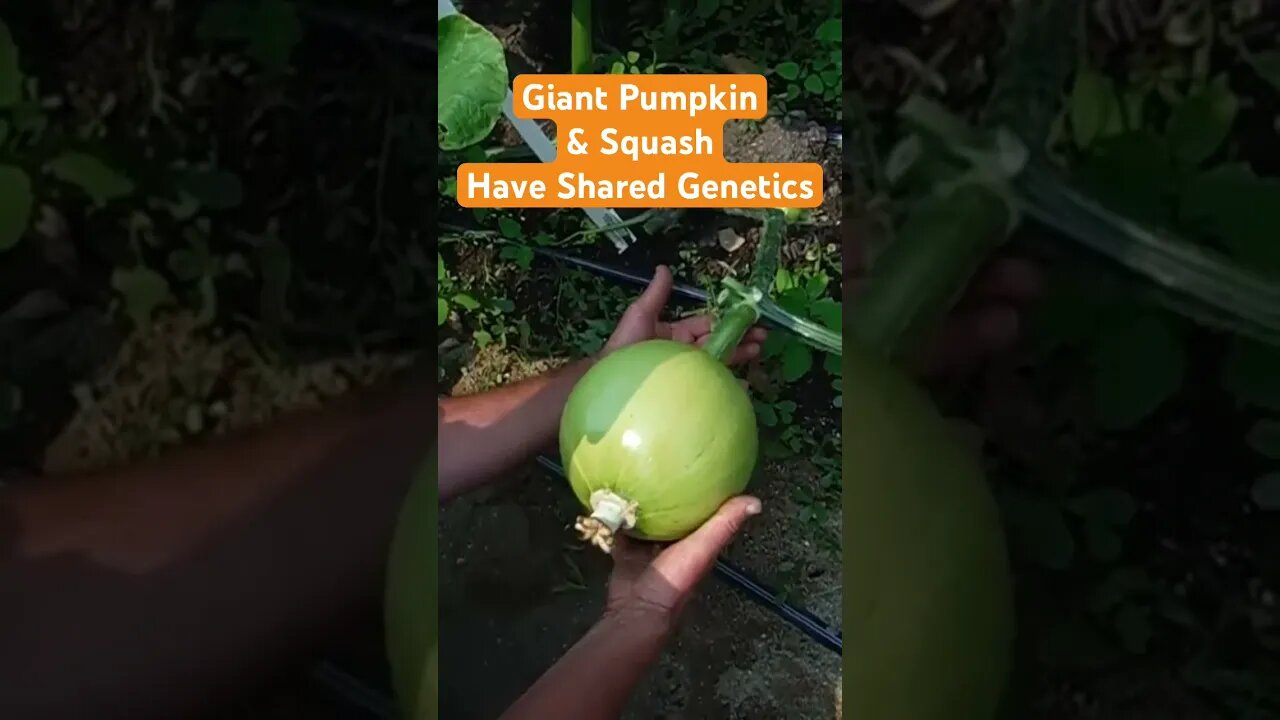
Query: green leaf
[(521, 255), (442, 311), (1200, 124), (829, 312), (768, 416), (510, 227), (213, 189), (99, 182), (783, 280), (814, 85), (1266, 491), (1267, 65), (441, 273), (482, 337), (10, 71), (1250, 374), (1109, 506), (797, 359), (472, 69), (788, 70), (16, 201), (143, 290), (466, 301), (1231, 204), (1094, 106), (1139, 363), (831, 31), (1264, 438)]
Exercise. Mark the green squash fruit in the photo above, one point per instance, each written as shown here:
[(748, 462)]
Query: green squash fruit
[(654, 438), (930, 602), (412, 612)]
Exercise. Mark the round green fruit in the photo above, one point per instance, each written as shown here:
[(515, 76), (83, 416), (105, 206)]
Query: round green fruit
[(411, 609), (654, 438)]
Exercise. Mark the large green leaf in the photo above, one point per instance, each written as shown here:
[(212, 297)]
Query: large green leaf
[(1238, 208), (1095, 107), (1139, 363), (95, 178), (143, 290), (10, 73), (473, 82), (1200, 124), (15, 205)]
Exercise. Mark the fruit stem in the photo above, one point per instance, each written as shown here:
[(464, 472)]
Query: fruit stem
[(609, 513), (743, 309), (580, 37)]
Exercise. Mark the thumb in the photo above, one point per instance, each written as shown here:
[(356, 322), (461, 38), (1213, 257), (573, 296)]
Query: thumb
[(655, 296), (685, 563)]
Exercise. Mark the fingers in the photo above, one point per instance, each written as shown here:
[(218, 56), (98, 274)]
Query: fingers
[(655, 296), (971, 336), (685, 563), (1008, 280)]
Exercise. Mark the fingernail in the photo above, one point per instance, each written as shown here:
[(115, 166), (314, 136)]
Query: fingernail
[(754, 507)]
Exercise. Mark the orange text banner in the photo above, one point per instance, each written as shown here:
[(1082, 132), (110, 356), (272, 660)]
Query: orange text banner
[(640, 141)]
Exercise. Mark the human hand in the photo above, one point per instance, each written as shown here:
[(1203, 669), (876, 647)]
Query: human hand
[(642, 321), (984, 323), (652, 583)]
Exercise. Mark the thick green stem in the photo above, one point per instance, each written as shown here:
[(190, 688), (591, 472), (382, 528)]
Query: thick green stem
[(742, 312), (580, 61), (732, 326), (922, 273)]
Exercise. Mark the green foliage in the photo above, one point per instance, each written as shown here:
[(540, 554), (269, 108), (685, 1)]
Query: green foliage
[(142, 290), (101, 183), (818, 78), (1139, 363), (269, 29), (473, 82), (16, 201), (1049, 529), (803, 295)]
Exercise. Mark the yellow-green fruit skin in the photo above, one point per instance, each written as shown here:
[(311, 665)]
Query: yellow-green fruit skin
[(929, 606), (664, 425), (411, 608)]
